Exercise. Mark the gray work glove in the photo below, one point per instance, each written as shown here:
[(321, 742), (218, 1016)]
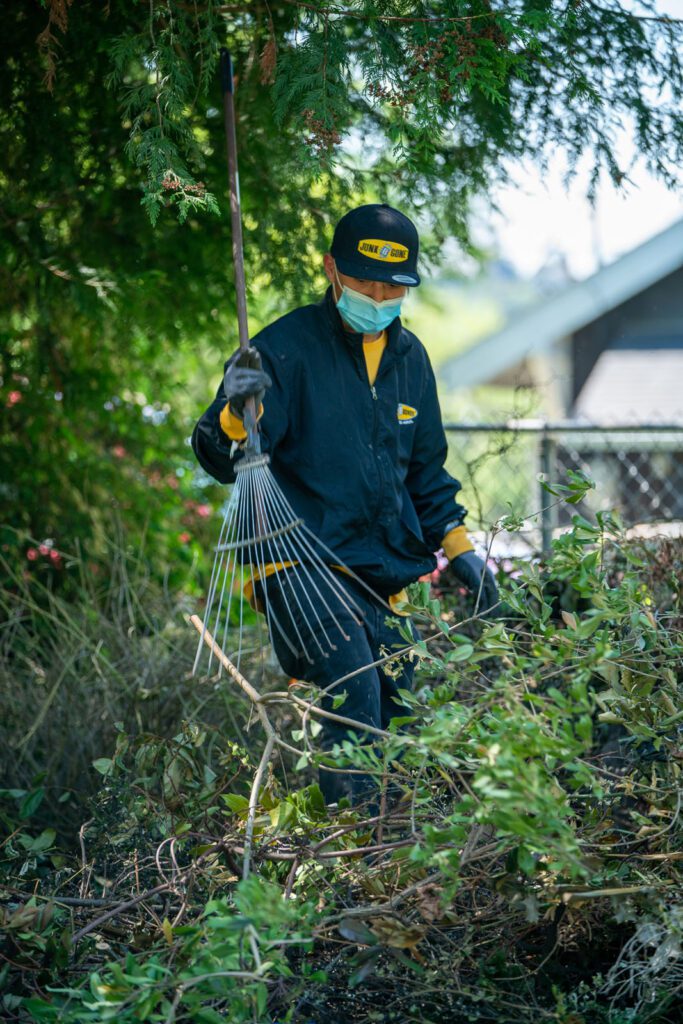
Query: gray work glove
[(468, 568), (245, 378)]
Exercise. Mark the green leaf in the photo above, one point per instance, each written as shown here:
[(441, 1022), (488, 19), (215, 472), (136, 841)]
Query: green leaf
[(41, 1011), (207, 1015), (261, 998), (237, 803), (31, 803), (396, 723), (460, 653), (525, 861), (282, 813), (44, 841)]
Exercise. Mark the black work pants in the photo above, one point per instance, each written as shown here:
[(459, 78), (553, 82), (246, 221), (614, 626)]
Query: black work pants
[(372, 695)]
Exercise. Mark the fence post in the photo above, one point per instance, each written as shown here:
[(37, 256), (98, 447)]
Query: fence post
[(548, 515)]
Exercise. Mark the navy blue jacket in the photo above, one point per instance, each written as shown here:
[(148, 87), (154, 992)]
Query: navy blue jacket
[(366, 475)]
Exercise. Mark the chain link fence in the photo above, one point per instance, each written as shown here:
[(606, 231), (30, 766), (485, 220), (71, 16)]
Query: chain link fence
[(638, 471)]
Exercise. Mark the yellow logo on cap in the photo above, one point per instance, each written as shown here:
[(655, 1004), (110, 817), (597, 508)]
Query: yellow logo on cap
[(378, 249)]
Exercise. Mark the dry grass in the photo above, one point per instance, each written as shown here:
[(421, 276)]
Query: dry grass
[(71, 669)]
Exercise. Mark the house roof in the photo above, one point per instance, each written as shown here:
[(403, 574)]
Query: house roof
[(564, 313)]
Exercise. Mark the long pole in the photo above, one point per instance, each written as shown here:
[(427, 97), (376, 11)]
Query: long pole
[(227, 84), (546, 450)]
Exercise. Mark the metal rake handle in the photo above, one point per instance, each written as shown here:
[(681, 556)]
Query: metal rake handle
[(227, 85)]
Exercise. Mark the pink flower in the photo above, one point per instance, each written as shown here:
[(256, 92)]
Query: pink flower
[(32, 554), (204, 511), (184, 538), (118, 451), (14, 397), (44, 549), (55, 556)]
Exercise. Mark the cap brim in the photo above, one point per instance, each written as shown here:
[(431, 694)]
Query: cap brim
[(381, 272)]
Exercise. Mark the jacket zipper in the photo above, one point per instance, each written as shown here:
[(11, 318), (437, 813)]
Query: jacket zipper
[(375, 452)]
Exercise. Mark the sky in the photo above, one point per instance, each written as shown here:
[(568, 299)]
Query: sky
[(539, 218)]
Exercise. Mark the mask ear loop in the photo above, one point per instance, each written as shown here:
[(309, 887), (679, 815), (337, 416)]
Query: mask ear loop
[(341, 286)]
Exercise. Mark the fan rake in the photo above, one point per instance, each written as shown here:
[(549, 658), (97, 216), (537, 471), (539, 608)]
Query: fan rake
[(261, 531), (261, 535)]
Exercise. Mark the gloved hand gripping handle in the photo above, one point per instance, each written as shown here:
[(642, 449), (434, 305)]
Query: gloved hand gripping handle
[(227, 85)]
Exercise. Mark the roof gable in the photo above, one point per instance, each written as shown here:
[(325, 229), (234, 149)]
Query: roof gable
[(575, 306)]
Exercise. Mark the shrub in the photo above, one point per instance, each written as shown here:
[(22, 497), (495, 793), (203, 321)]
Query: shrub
[(526, 861)]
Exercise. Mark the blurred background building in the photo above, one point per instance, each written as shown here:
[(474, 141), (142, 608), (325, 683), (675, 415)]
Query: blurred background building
[(548, 374)]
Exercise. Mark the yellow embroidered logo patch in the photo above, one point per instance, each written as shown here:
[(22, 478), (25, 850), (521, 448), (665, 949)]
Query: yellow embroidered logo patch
[(378, 249), (406, 413)]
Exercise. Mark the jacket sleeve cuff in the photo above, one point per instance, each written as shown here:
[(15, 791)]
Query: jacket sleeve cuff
[(232, 425), (456, 542)]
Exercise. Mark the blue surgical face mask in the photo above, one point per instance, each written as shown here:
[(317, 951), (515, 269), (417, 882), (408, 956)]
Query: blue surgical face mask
[(362, 313)]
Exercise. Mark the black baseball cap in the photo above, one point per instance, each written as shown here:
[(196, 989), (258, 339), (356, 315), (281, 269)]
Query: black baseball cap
[(377, 243)]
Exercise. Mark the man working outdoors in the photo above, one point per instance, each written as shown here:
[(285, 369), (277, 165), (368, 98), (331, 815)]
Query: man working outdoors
[(351, 422)]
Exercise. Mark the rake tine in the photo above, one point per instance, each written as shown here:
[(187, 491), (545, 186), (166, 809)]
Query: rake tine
[(330, 578), (235, 556), (225, 564), (283, 634), (235, 562), (294, 557), (229, 570), (324, 572), (273, 558), (346, 569), (216, 569), (254, 531), (244, 552), (260, 527), (305, 533)]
